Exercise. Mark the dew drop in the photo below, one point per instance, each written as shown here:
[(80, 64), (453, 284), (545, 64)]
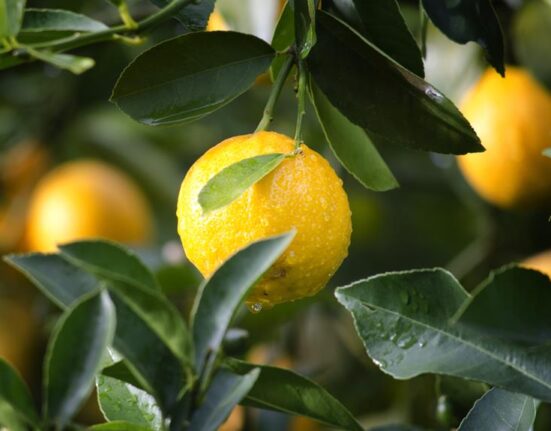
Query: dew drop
[(255, 308)]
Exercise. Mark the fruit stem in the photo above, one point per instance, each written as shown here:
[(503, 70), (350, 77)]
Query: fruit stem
[(274, 95), (301, 95)]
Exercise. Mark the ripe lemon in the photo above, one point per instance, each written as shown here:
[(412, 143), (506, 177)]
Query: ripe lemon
[(87, 199), (303, 192), (540, 262), (512, 117), (216, 22)]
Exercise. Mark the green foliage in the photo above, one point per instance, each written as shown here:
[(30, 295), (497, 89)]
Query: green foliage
[(16, 404), (11, 14)]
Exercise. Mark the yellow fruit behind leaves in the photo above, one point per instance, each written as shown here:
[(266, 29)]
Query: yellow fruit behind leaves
[(87, 199), (512, 117), (217, 22), (540, 262), (303, 193)]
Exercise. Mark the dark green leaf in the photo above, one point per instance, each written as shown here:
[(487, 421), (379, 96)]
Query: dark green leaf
[(395, 428), (382, 23), (193, 17), (470, 20), (72, 63), (109, 260), (122, 371), (118, 426), (352, 146), (39, 20), (285, 391), (172, 83), (58, 280), (14, 392), (305, 26), (284, 37), (219, 296), (519, 299), (225, 392), (230, 183), (74, 355), (405, 320), (11, 13), (501, 410), (120, 401), (389, 102)]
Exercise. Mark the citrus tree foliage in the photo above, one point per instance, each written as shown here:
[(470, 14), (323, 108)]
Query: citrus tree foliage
[(363, 72)]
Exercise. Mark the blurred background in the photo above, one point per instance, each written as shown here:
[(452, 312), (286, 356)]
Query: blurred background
[(73, 166)]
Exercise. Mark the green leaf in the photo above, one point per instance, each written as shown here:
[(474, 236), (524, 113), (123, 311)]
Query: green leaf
[(470, 20), (382, 23), (352, 146), (57, 279), (395, 428), (122, 371), (230, 183), (171, 83), (193, 17), (405, 320), (519, 299), (118, 426), (14, 392), (225, 392), (220, 296), (120, 401), (11, 13), (391, 103), (74, 356), (283, 38), (10, 418), (72, 63), (40, 20), (285, 391), (305, 26), (501, 410), (109, 260)]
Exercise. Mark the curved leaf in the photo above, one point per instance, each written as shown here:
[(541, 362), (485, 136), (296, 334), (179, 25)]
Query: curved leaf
[(14, 392), (11, 13), (39, 20)]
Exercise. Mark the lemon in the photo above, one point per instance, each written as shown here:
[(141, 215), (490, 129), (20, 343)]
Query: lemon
[(216, 22), (540, 262), (87, 199), (512, 117), (303, 193)]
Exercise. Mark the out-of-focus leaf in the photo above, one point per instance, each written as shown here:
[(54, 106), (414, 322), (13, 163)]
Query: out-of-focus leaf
[(74, 356), (219, 296), (519, 299), (72, 63), (14, 392), (11, 14), (391, 103), (271, 391), (501, 410), (230, 183), (382, 23), (172, 82), (305, 26), (470, 20), (120, 401), (109, 260), (395, 428), (39, 20), (10, 419), (119, 426), (57, 279), (405, 320), (225, 392), (352, 146), (121, 371), (193, 17)]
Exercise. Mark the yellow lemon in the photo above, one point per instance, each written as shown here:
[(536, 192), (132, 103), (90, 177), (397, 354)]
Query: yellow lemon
[(540, 262), (512, 117), (303, 193), (235, 421), (217, 22), (87, 199)]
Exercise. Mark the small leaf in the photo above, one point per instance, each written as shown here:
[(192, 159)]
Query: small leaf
[(219, 296), (382, 23), (40, 20), (501, 410), (14, 392), (391, 103), (11, 13), (172, 83), (470, 20), (352, 146), (225, 392), (58, 280), (305, 26), (230, 183), (121, 401), (74, 355), (118, 426), (271, 391), (109, 260), (72, 63), (284, 37)]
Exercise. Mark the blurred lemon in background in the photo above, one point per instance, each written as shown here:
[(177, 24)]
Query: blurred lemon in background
[(540, 262), (87, 199), (512, 117), (235, 421), (303, 193), (217, 22)]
